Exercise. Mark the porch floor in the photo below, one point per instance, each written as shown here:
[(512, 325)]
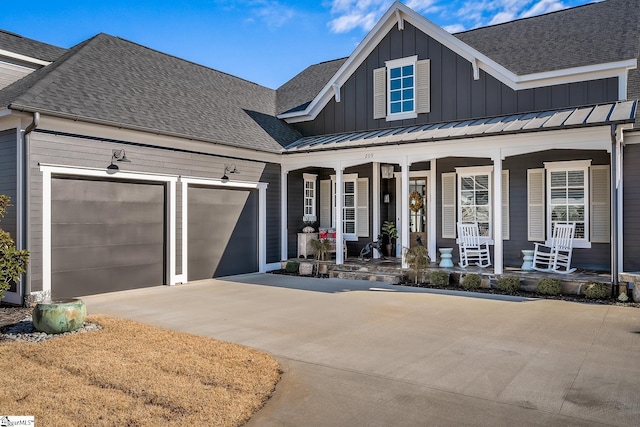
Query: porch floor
[(390, 270)]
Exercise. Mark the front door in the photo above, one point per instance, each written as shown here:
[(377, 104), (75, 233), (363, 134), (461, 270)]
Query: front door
[(418, 211)]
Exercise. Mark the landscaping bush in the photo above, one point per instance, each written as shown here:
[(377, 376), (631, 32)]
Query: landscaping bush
[(292, 267), (439, 279), (549, 287), (418, 260), (471, 281), (509, 284), (13, 262), (597, 291)]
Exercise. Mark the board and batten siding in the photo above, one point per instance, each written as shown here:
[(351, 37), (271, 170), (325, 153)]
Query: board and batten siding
[(597, 257), (455, 95), (81, 152), (10, 72)]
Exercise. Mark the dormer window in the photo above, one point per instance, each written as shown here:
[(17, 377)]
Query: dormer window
[(401, 89)]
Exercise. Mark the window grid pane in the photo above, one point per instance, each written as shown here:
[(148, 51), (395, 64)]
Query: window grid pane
[(567, 194), (475, 202), (401, 89)]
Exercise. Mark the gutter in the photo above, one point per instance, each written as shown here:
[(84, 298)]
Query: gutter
[(26, 191)]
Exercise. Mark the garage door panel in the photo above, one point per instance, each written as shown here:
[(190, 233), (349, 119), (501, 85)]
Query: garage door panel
[(106, 236), (222, 232), (106, 256), (91, 235), (135, 212), (99, 280)]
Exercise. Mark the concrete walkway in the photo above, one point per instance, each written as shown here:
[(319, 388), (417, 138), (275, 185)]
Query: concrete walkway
[(369, 354)]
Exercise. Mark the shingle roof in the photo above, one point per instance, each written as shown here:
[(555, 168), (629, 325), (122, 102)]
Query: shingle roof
[(113, 81), (296, 94), (595, 115), (17, 44), (594, 33), (591, 34)]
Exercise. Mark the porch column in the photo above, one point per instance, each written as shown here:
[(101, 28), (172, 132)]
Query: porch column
[(339, 213), (498, 254), (284, 232), (403, 224), (376, 205), (431, 206)]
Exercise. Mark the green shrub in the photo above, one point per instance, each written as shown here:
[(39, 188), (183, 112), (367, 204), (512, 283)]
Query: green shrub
[(292, 267), (439, 278), (13, 262), (509, 284), (471, 281), (549, 287), (597, 291)]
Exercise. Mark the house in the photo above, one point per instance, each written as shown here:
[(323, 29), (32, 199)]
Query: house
[(514, 126)]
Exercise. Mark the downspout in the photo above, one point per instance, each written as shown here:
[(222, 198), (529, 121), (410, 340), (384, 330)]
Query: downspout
[(26, 188), (614, 210)]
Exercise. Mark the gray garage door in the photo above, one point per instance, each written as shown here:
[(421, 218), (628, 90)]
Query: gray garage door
[(222, 232), (106, 236)]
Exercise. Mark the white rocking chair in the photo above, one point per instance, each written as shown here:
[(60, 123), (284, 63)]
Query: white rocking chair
[(471, 249), (556, 256)]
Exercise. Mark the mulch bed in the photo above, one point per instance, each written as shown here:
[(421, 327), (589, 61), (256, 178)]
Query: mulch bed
[(11, 314)]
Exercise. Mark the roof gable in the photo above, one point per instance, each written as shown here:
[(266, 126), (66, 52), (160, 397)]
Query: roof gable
[(399, 13), (115, 82)]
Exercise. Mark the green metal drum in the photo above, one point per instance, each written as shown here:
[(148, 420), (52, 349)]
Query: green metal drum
[(56, 317)]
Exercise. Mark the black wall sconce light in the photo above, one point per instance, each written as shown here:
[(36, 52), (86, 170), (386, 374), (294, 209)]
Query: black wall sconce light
[(118, 156), (228, 169)]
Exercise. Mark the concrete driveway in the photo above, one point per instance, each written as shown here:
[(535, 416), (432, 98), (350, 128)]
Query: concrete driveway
[(369, 354)]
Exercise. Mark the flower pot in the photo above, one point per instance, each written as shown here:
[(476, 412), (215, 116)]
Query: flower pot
[(389, 249), (323, 268), (306, 269), (57, 317)]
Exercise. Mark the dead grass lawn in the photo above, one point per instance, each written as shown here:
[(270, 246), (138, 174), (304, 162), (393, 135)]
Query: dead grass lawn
[(132, 374)]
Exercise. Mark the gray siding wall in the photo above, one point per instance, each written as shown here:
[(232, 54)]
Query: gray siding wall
[(85, 152), (631, 203), (455, 95), (8, 178), (597, 257), (295, 188)]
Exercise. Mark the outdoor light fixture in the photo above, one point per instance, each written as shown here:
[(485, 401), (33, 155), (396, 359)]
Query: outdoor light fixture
[(228, 169), (118, 156), (387, 171)]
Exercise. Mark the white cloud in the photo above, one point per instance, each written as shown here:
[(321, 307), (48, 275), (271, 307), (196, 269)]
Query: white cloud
[(501, 17), (454, 28), (352, 14), (543, 6)]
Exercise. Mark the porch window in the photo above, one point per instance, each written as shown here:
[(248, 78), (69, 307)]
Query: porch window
[(474, 198), (573, 191), (355, 205), (567, 197), (309, 198)]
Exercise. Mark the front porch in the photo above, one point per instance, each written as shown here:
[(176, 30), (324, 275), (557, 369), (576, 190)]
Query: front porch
[(390, 271)]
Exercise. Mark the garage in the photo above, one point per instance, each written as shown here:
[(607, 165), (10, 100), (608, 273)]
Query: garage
[(106, 235), (222, 231)]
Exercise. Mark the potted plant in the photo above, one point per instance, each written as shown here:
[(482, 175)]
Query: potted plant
[(321, 248), (389, 229)]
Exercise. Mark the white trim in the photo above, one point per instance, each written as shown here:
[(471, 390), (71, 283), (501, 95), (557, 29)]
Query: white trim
[(20, 237), (399, 63), (262, 215), (284, 230), (313, 178), (376, 204), (517, 82), (402, 225), (432, 205), (571, 164), (23, 58), (339, 206), (498, 253), (49, 170)]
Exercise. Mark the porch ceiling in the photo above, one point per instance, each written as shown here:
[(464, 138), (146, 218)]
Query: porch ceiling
[(596, 115)]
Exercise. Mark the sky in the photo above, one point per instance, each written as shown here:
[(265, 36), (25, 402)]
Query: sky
[(264, 41)]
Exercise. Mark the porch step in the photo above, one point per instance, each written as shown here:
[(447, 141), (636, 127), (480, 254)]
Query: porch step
[(374, 267), (372, 276)]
